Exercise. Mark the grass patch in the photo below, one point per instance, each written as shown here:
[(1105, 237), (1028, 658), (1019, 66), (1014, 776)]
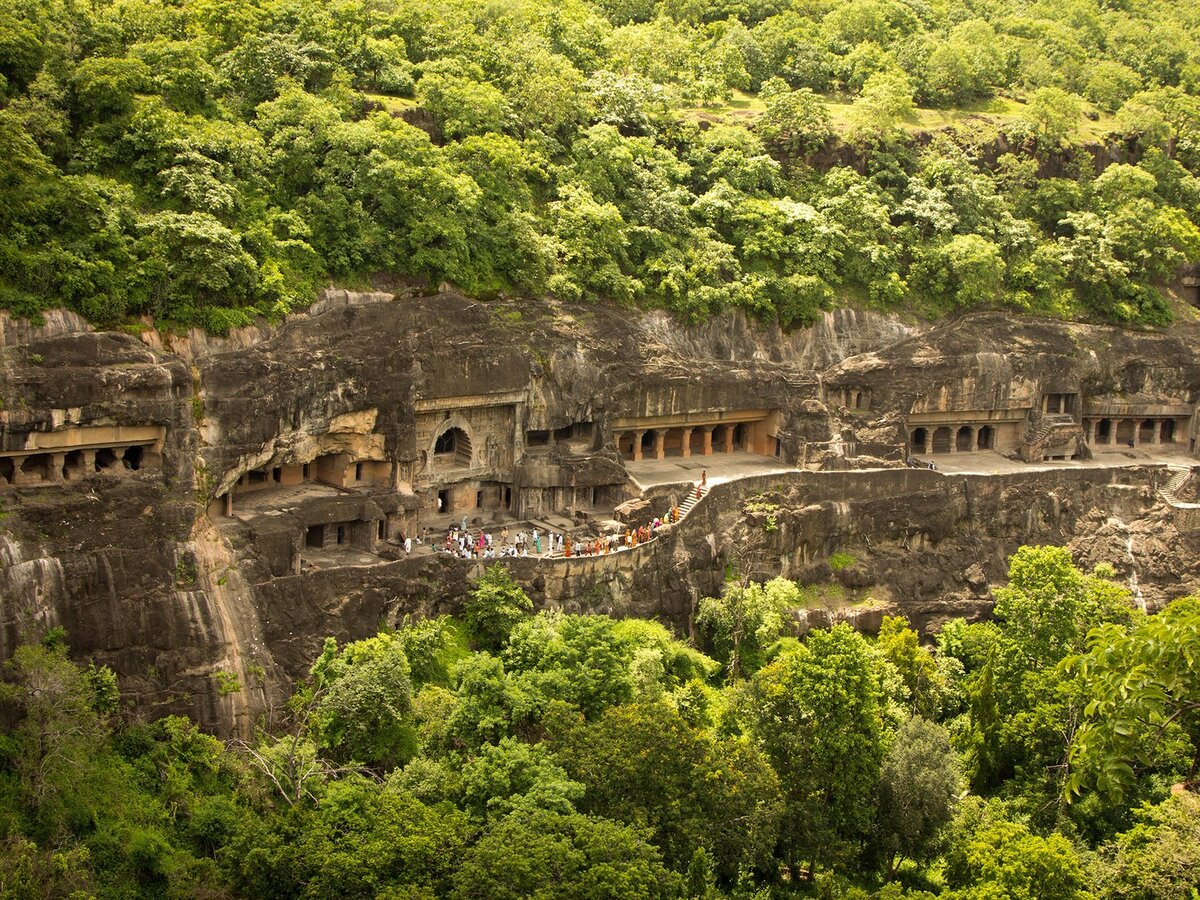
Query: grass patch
[(394, 105), (841, 560), (740, 109), (988, 115)]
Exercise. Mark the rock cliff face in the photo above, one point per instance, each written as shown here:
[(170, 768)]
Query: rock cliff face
[(161, 494)]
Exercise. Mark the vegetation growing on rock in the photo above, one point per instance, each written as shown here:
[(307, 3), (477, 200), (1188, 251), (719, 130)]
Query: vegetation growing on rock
[(208, 161), (583, 757)]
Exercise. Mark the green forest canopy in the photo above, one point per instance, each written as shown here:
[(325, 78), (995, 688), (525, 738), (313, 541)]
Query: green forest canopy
[(209, 161), (1035, 757)]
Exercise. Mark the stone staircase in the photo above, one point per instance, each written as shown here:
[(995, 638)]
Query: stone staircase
[(686, 506), (1058, 434), (1170, 490)]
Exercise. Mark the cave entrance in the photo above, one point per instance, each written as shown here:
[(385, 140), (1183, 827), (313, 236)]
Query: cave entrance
[(37, 467), (917, 441), (1146, 431), (7, 470), (133, 458), (941, 440), (105, 460), (962, 440), (443, 502), (314, 537), (72, 465), (1167, 433), (987, 438), (1104, 431)]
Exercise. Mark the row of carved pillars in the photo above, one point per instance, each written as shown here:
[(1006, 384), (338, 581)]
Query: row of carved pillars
[(43, 468), (947, 439), (659, 450), (1111, 432)]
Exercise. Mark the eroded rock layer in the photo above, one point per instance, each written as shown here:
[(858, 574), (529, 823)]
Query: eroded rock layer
[(199, 513)]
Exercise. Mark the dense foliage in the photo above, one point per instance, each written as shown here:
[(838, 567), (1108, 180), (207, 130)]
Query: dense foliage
[(583, 757), (207, 161)]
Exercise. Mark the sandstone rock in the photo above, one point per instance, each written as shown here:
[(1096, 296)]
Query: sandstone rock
[(149, 577)]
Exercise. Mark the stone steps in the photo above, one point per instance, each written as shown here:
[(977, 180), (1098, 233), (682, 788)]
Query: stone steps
[(684, 508), (1170, 490)]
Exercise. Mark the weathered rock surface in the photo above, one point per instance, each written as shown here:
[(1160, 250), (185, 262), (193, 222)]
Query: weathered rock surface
[(143, 578)]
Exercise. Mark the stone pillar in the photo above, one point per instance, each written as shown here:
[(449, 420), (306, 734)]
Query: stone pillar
[(1090, 430), (229, 503), (617, 440), (706, 447), (637, 445), (974, 437), (927, 450), (57, 461), (660, 443), (953, 439), (89, 462), (1156, 438), (1135, 432), (687, 441), (728, 438), (20, 477)]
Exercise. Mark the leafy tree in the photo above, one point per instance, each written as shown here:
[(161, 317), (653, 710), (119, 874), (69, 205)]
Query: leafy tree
[(487, 705), (1157, 859), (918, 788), (966, 270), (59, 737), (1053, 116), (1049, 604), (645, 764), (744, 621), (923, 685), (795, 122), (1143, 687), (1001, 858), (512, 775), (815, 712), (104, 87), (495, 605), (21, 52), (580, 660), (541, 854), (365, 701), (886, 100), (462, 106), (363, 839)]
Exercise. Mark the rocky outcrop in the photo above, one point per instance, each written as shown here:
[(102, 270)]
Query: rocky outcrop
[(197, 616)]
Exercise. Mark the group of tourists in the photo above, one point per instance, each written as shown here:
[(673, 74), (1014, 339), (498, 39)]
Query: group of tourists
[(615, 541), (481, 544), (463, 543)]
